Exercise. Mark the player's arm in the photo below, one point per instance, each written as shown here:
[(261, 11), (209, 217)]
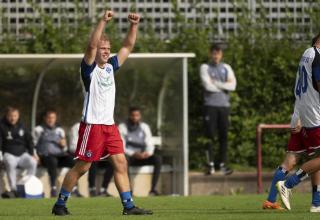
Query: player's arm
[(316, 71), (90, 53), (206, 81), (295, 121), (231, 83), (130, 40)]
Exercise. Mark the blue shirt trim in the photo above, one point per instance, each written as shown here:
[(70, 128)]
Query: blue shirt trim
[(114, 62), (86, 71)]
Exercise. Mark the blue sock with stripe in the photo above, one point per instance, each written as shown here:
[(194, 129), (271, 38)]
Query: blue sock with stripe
[(126, 199), (63, 197), (316, 195), (295, 179), (279, 175)]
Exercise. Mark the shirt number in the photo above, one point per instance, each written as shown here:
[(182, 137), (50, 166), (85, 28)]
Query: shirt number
[(302, 84)]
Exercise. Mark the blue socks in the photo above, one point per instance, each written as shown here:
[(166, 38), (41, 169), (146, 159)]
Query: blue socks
[(295, 179), (279, 175), (126, 200), (316, 196), (63, 197)]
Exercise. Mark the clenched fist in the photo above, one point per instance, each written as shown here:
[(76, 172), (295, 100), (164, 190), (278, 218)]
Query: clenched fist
[(108, 16), (134, 18)]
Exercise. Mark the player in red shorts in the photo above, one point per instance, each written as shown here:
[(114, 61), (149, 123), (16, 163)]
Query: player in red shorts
[(99, 137), (296, 149), (307, 105)]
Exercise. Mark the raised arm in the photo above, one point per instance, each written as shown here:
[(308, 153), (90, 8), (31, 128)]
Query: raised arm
[(92, 47), (130, 40)]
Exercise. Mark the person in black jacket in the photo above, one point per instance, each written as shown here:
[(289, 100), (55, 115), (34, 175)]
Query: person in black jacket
[(16, 147)]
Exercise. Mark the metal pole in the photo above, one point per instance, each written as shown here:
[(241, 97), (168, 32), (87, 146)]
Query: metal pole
[(259, 131), (36, 94), (259, 159), (185, 128)]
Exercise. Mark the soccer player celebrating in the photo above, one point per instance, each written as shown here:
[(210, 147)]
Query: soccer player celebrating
[(99, 137), (307, 90)]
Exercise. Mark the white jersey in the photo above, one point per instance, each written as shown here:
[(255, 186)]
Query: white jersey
[(307, 95), (100, 93)]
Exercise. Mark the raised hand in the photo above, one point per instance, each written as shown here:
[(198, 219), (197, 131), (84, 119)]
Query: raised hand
[(134, 18), (108, 16)]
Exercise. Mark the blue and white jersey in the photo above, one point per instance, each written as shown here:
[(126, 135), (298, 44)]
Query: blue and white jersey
[(306, 92), (100, 92)]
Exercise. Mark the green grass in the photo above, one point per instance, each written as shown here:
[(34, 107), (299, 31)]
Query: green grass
[(240, 207)]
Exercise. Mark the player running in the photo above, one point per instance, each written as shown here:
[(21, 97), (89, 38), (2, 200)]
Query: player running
[(295, 151), (99, 137), (308, 107)]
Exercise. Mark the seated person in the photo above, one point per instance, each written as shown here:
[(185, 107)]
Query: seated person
[(107, 176), (106, 165), (51, 145), (16, 147), (139, 147)]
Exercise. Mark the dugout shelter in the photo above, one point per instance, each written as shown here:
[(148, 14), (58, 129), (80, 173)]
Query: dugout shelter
[(158, 83)]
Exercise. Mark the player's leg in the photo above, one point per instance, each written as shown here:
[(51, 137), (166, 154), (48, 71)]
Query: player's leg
[(68, 162), (296, 146), (315, 180), (284, 187), (121, 179), (311, 138), (69, 182), (210, 120), (287, 165), (306, 169), (114, 148), (223, 127)]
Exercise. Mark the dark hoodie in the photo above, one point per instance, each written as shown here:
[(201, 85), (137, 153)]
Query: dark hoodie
[(15, 139)]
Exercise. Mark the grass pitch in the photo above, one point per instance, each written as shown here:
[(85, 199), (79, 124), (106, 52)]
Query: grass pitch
[(240, 207)]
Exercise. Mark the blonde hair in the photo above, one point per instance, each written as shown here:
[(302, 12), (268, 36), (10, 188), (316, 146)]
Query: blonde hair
[(104, 37)]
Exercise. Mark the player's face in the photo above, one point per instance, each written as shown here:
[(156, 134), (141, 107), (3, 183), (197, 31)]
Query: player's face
[(135, 117), (13, 117), (216, 56), (103, 52), (50, 119)]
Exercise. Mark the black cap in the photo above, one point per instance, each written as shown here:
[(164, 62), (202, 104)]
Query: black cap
[(315, 39)]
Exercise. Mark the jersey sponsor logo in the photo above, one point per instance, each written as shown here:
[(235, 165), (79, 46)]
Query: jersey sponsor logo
[(106, 84)]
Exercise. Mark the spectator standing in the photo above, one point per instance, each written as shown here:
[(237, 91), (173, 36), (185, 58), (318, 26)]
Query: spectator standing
[(218, 81)]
